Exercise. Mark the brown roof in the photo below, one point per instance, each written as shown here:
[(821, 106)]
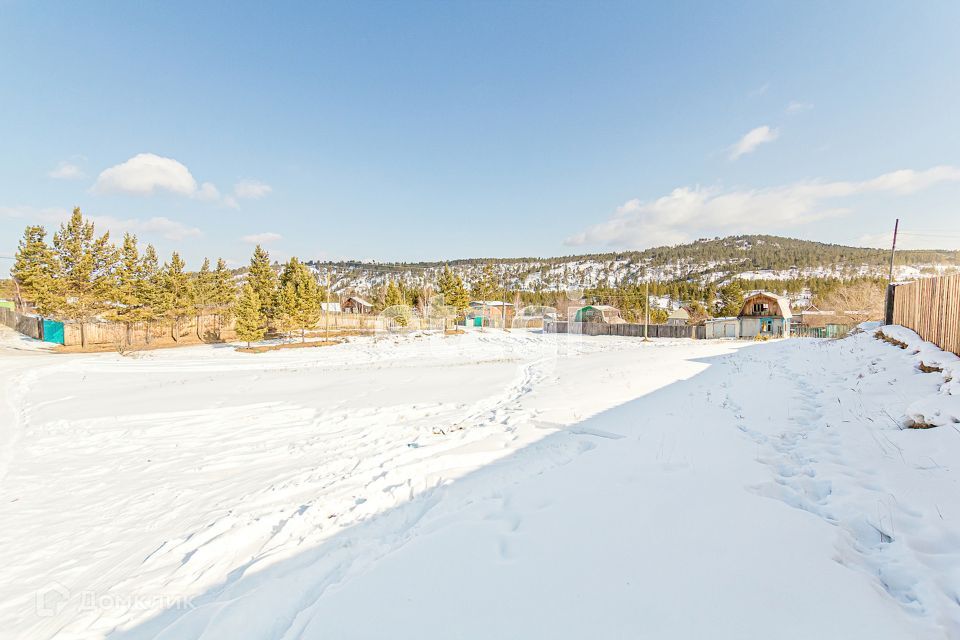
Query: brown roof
[(783, 304), (823, 318)]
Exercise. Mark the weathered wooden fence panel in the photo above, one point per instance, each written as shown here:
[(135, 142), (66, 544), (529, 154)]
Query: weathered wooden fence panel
[(194, 329), (931, 308), (625, 329), (28, 325), (203, 328)]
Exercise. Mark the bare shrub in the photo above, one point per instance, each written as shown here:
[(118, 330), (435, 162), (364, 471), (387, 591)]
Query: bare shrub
[(127, 350), (859, 301)]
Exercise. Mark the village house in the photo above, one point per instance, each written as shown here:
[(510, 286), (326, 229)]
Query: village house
[(765, 314), (355, 304), (678, 317), (814, 323), (600, 313), (488, 313)]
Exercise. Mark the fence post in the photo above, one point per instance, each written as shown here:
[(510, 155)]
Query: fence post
[(888, 311)]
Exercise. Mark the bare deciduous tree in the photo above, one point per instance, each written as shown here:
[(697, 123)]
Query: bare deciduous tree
[(859, 301)]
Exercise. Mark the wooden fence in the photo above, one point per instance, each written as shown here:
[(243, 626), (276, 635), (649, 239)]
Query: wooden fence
[(347, 321), (625, 329), (931, 307), (193, 329), (190, 330), (26, 324)]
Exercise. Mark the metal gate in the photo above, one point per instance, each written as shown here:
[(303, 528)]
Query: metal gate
[(52, 331)]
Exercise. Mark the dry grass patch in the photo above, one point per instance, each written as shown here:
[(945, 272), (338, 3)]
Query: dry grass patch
[(880, 335), (131, 350), (339, 333), (288, 345), (927, 368)]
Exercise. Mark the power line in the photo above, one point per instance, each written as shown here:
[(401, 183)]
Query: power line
[(930, 235), (922, 230)]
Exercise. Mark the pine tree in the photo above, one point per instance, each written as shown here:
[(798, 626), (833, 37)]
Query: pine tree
[(34, 270), (129, 307), (149, 287), (394, 296), (177, 292), (250, 327), (485, 286), (396, 303), (731, 299), (224, 289), (86, 270), (263, 280), (203, 288), (203, 296), (285, 309), (298, 300), (453, 291)]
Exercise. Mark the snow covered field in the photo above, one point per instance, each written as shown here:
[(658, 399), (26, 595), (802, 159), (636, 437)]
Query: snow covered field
[(488, 485)]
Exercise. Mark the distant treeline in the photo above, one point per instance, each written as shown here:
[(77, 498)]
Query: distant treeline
[(749, 252)]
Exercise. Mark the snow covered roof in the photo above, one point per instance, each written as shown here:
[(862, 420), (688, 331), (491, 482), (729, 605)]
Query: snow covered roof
[(360, 301), (490, 303), (679, 314)]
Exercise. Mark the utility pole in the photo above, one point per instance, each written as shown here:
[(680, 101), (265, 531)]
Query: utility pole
[(893, 248), (326, 311), (646, 306), (891, 290), (503, 303), (425, 306)]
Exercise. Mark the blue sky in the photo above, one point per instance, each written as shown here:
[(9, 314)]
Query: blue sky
[(407, 131)]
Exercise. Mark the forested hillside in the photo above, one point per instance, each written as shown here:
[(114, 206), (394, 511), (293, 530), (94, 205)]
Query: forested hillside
[(753, 257)]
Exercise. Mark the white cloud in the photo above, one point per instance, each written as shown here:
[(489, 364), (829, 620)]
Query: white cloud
[(759, 91), (146, 173), (251, 189), (753, 139), (207, 192), (66, 171), (51, 217), (689, 212), (908, 241), (795, 106), (158, 225), (262, 238), (35, 214)]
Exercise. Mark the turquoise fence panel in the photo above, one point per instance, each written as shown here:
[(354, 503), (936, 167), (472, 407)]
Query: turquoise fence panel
[(52, 331)]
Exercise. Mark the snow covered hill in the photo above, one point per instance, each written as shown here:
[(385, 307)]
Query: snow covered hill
[(704, 261), (493, 484)]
